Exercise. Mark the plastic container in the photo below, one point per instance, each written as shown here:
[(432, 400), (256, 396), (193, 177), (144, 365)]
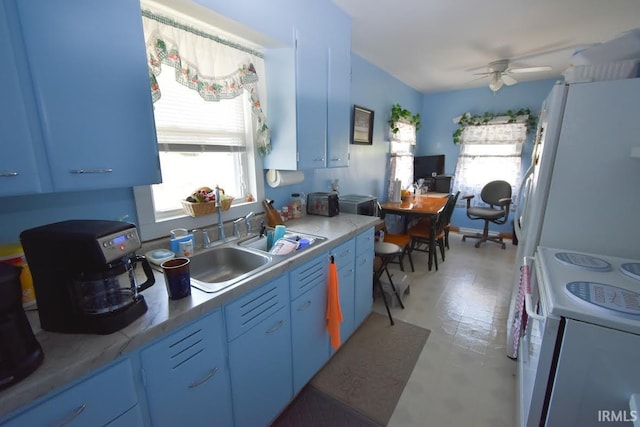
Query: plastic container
[(12, 253), (625, 46), (297, 204)]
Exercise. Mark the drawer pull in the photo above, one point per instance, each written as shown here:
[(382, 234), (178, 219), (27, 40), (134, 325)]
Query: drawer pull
[(8, 173), (83, 171), (275, 327), (304, 306), (205, 379), (76, 413)]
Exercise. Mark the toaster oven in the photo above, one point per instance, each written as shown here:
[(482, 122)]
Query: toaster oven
[(325, 204)]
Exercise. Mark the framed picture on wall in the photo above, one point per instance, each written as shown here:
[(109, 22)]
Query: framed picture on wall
[(362, 122)]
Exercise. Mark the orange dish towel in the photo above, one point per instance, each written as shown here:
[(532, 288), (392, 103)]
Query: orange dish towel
[(334, 313)]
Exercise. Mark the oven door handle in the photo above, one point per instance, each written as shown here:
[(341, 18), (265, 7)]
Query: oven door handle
[(528, 307), (528, 303)]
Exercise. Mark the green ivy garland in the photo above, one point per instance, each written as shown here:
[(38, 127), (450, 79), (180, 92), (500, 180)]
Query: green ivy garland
[(477, 120), (398, 113)]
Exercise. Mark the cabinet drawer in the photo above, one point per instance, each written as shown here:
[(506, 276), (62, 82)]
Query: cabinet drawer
[(308, 275), (251, 309), (95, 401), (344, 254), (365, 242)]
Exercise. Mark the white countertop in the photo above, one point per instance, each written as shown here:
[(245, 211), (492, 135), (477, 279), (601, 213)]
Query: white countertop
[(68, 357)]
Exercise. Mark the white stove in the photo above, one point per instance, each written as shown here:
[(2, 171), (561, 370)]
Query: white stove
[(597, 289), (578, 360)]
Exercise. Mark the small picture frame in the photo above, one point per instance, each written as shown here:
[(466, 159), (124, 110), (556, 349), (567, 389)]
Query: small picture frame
[(362, 126)]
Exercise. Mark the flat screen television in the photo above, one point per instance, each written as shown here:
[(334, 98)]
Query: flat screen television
[(425, 166)]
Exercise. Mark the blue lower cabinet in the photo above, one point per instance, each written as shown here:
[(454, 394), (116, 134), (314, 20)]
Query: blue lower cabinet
[(186, 376), (97, 400), (364, 276), (344, 255), (260, 353), (309, 337)]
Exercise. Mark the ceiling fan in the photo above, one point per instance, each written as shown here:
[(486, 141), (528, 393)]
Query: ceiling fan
[(499, 73)]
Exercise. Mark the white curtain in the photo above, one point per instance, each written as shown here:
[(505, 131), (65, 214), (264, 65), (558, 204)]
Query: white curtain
[(488, 153)]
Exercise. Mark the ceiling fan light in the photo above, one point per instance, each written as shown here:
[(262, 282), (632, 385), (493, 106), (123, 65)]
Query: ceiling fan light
[(495, 82)]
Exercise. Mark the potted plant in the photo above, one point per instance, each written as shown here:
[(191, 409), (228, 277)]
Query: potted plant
[(399, 114)]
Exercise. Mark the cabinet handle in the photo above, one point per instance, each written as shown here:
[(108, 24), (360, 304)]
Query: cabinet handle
[(205, 379), (321, 159), (8, 173), (336, 159), (275, 327), (81, 171), (304, 306), (363, 261), (79, 410)]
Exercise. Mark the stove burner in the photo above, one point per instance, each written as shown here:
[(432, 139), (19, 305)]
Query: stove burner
[(584, 261), (631, 269), (606, 296)]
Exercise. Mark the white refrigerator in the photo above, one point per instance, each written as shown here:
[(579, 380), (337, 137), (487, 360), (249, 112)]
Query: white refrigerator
[(582, 191)]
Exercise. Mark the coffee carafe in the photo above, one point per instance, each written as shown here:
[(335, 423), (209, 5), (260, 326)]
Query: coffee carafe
[(20, 352), (84, 275)]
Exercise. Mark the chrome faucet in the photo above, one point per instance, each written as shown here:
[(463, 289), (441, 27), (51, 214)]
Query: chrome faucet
[(247, 220), (221, 235), (206, 241), (236, 231)]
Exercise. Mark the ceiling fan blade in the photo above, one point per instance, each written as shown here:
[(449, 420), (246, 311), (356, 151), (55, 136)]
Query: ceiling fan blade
[(508, 80), (529, 69)]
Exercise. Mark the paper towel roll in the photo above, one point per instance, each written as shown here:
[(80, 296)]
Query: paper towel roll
[(276, 178)]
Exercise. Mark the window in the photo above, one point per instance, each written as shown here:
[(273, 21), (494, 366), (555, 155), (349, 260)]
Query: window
[(206, 126), (488, 153)]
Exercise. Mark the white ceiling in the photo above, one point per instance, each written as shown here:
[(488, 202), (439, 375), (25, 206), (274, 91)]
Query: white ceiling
[(438, 45)]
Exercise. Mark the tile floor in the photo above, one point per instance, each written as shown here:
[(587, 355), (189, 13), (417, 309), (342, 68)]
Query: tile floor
[(463, 376)]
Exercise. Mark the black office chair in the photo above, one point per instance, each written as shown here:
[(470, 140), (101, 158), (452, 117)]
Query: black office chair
[(497, 194)]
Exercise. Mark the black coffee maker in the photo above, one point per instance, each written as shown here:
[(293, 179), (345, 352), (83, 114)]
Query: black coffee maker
[(20, 352), (84, 275)]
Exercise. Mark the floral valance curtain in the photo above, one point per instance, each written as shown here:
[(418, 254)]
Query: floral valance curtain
[(488, 153), (207, 64)]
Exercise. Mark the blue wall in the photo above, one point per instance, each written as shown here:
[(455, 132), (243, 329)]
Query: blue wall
[(371, 88), (439, 109)]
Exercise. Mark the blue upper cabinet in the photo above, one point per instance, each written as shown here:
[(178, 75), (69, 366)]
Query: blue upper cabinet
[(339, 106), (309, 100), (19, 169), (90, 80)]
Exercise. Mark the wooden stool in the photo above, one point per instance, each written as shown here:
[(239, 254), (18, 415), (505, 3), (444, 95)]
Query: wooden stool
[(386, 252)]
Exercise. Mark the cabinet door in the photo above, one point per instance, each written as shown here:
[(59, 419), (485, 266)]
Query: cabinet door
[(91, 82), (364, 276), (18, 169), (339, 106), (309, 337), (186, 376), (260, 357), (311, 96), (94, 401), (344, 256), (363, 288)]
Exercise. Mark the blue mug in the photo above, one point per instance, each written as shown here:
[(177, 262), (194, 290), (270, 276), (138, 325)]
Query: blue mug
[(177, 277)]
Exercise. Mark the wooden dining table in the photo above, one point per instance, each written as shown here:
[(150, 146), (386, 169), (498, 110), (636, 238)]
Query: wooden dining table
[(418, 206)]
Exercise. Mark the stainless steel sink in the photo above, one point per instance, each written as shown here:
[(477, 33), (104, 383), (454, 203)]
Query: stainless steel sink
[(260, 242), (219, 268)]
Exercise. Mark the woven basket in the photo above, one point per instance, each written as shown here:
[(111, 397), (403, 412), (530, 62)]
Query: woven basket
[(199, 209), (226, 203)]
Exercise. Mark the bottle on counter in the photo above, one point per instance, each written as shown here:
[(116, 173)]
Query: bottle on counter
[(297, 204)]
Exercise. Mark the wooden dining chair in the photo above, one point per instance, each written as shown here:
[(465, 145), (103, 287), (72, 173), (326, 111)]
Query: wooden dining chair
[(421, 232)]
